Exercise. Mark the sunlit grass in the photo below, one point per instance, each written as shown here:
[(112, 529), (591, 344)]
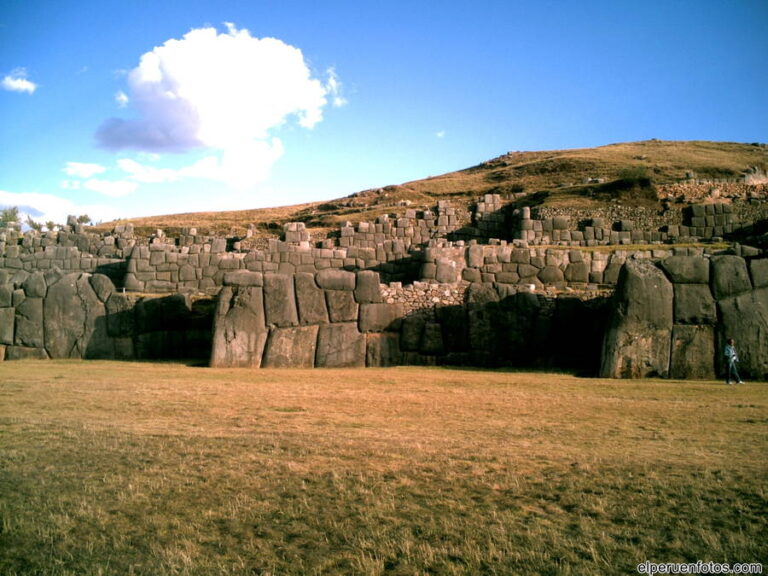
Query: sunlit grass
[(160, 469)]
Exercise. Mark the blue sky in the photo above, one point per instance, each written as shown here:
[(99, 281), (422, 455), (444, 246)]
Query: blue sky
[(125, 109)]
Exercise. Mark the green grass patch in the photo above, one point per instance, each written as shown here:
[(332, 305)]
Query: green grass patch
[(167, 469)]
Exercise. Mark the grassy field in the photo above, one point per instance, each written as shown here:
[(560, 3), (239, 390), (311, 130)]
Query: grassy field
[(168, 469)]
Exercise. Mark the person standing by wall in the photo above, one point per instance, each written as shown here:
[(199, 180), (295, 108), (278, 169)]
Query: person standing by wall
[(731, 359)]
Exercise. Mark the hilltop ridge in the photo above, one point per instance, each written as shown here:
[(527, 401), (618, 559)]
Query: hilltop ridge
[(635, 173)]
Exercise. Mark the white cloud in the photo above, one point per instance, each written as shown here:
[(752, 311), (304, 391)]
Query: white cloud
[(17, 81), (441, 134), (226, 93), (215, 90), (47, 207), (333, 87), (122, 99), (83, 169), (70, 184), (112, 188), (148, 174)]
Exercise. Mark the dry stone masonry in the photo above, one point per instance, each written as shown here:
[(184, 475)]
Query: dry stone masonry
[(507, 285)]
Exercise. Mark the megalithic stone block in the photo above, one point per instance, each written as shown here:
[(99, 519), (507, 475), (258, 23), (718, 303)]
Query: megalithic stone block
[(240, 331), (637, 342)]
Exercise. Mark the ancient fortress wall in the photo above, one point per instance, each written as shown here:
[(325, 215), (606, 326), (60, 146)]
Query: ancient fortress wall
[(672, 318), (419, 288)]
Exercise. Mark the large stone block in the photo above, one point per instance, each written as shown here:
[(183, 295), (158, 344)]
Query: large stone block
[(383, 349), (239, 330), (310, 299), (410, 334), (75, 320), (551, 275), (687, 269), (34, 286), (637, 342), (745, 318), (577, 272), (291, 347), (6, 295), (102, 286), (120, 315), (29, 323), (694, 304), (693, 352), (340, 346), (759, 271), (335, 279), (341, 305), (7, 323), (380, 317), (25, 353), (729, 276), (280, 300), (243, 278), (432, 339), (367, 287)]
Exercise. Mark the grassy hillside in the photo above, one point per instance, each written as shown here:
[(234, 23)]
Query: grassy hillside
[(634, 169)]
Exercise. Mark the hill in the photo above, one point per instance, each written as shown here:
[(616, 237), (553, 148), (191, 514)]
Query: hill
[(577, 178)]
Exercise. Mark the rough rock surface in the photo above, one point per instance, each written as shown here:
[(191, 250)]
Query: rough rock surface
[(240, 329), (637, 341)]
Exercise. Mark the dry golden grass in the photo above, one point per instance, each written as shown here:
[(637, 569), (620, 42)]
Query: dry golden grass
[(160, 469)]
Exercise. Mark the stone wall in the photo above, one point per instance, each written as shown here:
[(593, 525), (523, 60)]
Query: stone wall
[(672, 318), (337, 318), (62, 314)]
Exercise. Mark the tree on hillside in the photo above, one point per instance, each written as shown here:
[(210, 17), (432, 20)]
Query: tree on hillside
[(83, 219), (34, 225), (10, 215)]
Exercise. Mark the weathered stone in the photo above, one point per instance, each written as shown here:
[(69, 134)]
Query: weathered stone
[(310, 299), (577, 272), (380, 317), (75, 322), (693, 352), (729, 277), (612, 271), (29, 323), (759, 270), (447, 271), (475, 257), (102, 286), (637, 342), (336, 279), (341, 305), (243, 278), (25, 353), (694, 304), (383, 349), (432, 339), (34, 286), (6, 293), (7, 324), (280, 300), (340, 346), (551, 275), (367, 287), (481, 294), (745, 318), (120, 315), (291, 347), (687, 269), (240, 331), (410, 335)]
